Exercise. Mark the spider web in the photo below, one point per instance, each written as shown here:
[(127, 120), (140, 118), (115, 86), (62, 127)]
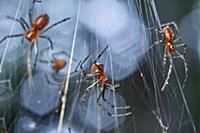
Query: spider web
[(129, 61), (169, 108)]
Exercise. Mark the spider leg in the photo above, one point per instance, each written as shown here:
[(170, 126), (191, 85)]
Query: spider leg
[(177, 39), (55, 24), (155, 43), (29, 67), (112, 105), (185, 67), (61, 52), (112, 87), (105, 110), (76, 69), (10, 36), (95, 61), (43, 61), (80, 64), (30, 13), (37, 53), (164, 61), (23, 25), (181, 45), (153, 29), (22, 40), (87, 90), (168, 73), (51, 82), (48, 39), (58, 53)]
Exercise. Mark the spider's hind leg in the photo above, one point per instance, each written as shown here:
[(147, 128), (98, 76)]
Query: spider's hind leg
[(102, 95)]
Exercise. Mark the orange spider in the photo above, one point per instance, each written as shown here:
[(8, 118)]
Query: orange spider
[(98, 73), (169, 39)]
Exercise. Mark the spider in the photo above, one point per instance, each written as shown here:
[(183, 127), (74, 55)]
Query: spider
[(57, 64), (169, 40), (33, 33), (97, 71)]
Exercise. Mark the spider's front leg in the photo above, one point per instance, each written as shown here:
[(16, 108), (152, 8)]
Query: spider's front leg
[(30, 13)]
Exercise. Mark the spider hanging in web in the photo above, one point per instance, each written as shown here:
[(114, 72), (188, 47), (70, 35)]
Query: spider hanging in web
[(32, 33), (97, 72), (57, 63), (169, 39)]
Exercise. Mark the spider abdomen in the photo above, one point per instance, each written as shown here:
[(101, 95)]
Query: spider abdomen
[(168, 34), (41, 22), (58, 64)]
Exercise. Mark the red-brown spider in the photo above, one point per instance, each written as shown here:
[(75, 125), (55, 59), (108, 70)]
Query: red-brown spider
[(32, 33), (169, 39), (98, 73), (57, 64)]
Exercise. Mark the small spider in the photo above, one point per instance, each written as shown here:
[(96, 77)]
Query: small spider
[(57, 64), (33, 33), (169, 40), (97, 71)]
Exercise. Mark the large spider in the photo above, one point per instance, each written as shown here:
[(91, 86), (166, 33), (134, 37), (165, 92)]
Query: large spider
[(32, 33), (169, 39), (97, 72)]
